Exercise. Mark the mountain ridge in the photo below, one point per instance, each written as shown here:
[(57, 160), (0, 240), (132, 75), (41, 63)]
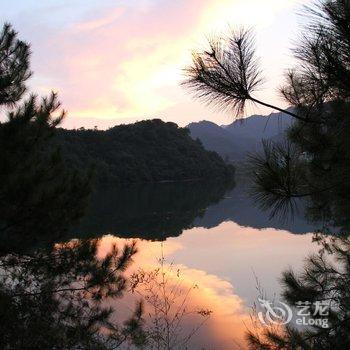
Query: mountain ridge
[(234, 141)]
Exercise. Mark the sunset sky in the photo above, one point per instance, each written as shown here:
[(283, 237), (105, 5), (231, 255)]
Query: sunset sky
[(118, 61)]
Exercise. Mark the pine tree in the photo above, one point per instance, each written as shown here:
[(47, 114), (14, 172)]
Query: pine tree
[(325, 279), (312, 163), (51, 292), (40, 197)]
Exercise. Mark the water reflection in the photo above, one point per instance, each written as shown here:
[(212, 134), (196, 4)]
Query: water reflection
[(237, 206), (214, 235), (151, 211), (158, 211), (223, 261), (224, 328)]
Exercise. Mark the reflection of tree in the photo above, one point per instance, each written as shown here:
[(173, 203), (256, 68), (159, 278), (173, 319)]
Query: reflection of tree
[(153, 211)]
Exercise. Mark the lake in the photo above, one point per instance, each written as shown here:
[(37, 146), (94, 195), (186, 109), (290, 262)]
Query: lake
[(216, 249)]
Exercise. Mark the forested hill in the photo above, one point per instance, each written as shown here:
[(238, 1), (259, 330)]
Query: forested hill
[(147, 151)]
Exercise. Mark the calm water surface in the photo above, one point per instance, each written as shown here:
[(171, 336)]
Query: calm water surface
[(211, 237)]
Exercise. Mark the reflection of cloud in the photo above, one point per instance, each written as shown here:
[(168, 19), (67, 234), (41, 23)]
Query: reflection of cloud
[(226, 326), (212, 258), (148, 251)]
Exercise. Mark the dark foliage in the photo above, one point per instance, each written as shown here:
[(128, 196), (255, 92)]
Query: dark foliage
[(318, 169), (227, 72), (325, 278), (152, 211), (52, 297), (147, 151), (319, 166), (14, 66), (38, 194), (313, 163)]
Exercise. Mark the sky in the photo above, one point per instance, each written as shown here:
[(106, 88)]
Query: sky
[(120, 61)]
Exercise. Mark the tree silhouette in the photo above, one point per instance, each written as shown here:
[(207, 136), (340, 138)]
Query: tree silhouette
[(312, 163), (38, 193), (51, 293), (324, 279), (14, 66), (227, 73)]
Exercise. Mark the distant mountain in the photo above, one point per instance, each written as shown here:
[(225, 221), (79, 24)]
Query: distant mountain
[(147, 151), (216, 138), (235, 140), (258, 126)]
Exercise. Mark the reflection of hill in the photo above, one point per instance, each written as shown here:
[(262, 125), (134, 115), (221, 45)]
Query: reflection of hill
[(158, 211), (238, 207), (153, 211), (149, 211)]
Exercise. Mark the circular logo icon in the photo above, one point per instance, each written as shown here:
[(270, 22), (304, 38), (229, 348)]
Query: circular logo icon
[(274, 314)]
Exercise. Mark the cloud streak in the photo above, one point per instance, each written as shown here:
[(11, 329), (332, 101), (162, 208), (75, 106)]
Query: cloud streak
[(123, 60)]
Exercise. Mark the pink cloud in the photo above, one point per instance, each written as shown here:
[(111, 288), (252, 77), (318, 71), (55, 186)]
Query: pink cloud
[(84, 61), (124, 62), (103, 21)]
